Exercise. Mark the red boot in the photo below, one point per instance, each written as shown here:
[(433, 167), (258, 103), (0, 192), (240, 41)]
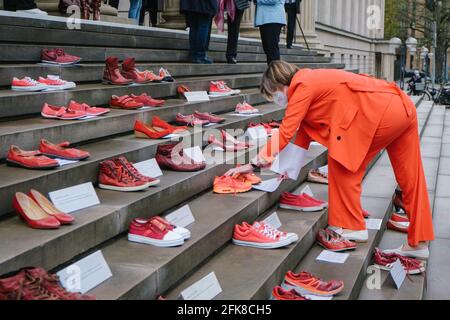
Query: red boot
[(129, 71), (112, 75)]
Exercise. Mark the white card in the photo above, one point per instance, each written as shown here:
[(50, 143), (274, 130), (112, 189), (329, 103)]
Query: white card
[(172, 136), (149, 168), (315, 143), (269, 185), (195, 153), (397, 273), (289, 160), (307, 190), (85, 274), (314, 297), (273, 220), (88, 117), (181, 217), (75, 198), (256, 133), (323, 169), (196, 96), (333, 257), (373, 224), (64, 162), (216, 148), (205, 289)]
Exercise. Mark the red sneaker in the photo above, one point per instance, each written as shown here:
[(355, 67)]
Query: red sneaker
[(245, 108), (29, 159), (305, 283), (398, 222), (299, 202), (149, 75), (27, 84), (155, 233), (58, 56), (278, 293), (208, 117), (384, 261), (129, 71), (55, 83), (125, 102), (147, 101), (165, 75), (62, 151), (122, 161), (32, 213), (114, 177), (219, 89), (49, 208), (227, 184), (90, 111), (112, 75), (185, 233), (262, 238), (332, 241), (322, 202), (62, 113), (190, 120)]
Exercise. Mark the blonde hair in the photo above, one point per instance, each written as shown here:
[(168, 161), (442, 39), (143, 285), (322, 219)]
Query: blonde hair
[(278, 74)]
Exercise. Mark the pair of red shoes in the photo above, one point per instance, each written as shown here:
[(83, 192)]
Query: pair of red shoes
[(132, 102), (333, 241), (42, 158), (74, 111), (58, 56), (119, 174), (385, 261), (198, 119), (301, 202), (227, 142), (305, 283), (128, 75), (38, 212), (171, 156), (157, 129)]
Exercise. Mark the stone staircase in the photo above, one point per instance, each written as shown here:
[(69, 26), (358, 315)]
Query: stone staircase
[(140, 271)]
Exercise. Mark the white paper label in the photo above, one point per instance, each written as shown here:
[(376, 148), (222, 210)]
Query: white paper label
[(181, 217), (333, 257), (85, 274), (196, 96), (195, 154), (273, 220), (149, 168), (75, 198), (205, 289), (216, 148), (64, 162), (307, 190), (323, 169), (397, 273), (257, 133), (373, 224), (269, 185), (289, 160)]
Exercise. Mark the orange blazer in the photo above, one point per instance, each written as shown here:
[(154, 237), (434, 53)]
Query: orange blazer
[(340, 110)]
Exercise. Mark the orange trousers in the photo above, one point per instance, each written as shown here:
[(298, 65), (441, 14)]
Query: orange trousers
[(399, 134)]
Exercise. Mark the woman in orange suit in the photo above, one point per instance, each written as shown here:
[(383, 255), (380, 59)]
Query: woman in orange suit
[(355, 117)]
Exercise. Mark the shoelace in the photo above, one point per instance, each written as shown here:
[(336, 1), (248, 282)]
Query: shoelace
[(267, 232), (32, 81), (132, 170), (60, 52), (272, 229)]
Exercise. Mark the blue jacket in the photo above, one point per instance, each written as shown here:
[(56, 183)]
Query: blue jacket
[(269, 11)]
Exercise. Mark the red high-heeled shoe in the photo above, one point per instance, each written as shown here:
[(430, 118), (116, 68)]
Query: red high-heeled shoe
[(49, 208), (34, 215)]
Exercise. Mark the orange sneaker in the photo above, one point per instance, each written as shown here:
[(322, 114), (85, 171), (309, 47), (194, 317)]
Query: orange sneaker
[(259, 236), (226, 184), (248, 178), (305, 283)]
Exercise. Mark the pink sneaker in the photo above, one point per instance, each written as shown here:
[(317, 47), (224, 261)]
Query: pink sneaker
[(299, 202), (55, 83), (27, 84), (219, 89), (245, 108), (90, 111)]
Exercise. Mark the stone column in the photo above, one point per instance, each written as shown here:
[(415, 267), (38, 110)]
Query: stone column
[(308, 22), (172, 16), (248, 28)]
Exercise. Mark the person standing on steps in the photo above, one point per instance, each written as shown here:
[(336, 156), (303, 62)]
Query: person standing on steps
[(292, 8), (23, 6), (152, 7), (270, 17), (355, 117), (135, 10), (199, 15)]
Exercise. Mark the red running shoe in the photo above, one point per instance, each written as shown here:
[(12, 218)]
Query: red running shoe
[(125, 102), (58, 56), (129, 71), (112, 75), (33, 214), (278, 293), (332, 241), (62, 150), (305, 283), (245, 108), (122, 161), (83, 107), (49, 208), (190, 120), (29, 159), (147, 101), (208, 117), (384, 261), (62, 113), (114, 177), (155, 233), (299, 202), (398, 222), (219, 89)]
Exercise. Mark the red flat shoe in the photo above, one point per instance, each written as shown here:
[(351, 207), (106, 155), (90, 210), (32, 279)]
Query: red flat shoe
[(190, 120), (208, 117), (62, 151), (32, 213), (148, 101), (142, 130), (125, 102), (29, 159), (90, 111), (49, 208), (54, 112)]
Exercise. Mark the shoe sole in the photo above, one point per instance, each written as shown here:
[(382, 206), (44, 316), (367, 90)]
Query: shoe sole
[(61, 63), (65, 158), (125, 189), (229, 191), (116, 84), (16, 164), (55, 88), (334, 250), (155, 242), (59, 118), (305, 291), (411, 272), (259, 245), (214, 94), (25, 89), (153, 183), (305, 209)]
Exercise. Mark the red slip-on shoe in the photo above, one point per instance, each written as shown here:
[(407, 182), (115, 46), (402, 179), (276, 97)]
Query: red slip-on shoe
[(62, 113), (165, 75), (299, 203), (114, 177), (322, 203), (134, 172), (129, 71), (208, 117), (332, 241), (155, 233), (112, 75), (278, 293), (62, 150), (398, 222), (145, 131), (90, 111), (29, 159), (49, 208), (261, 238), (385, 261), (58, 56), (160, 123), (305, 283), (189, 120), (125, 102), (148, 101), (30, 211)]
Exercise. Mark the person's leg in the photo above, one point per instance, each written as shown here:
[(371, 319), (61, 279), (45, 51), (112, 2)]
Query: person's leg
[(144, 8), (270, 37), (233, 35), (19, 5), (291, 11), (114, 3), (203, 32), (153, 7), (135, 10), (191, 20)]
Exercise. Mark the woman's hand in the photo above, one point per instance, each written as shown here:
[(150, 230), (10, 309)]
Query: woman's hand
[(247, 168)]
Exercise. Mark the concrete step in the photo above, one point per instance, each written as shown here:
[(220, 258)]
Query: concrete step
[(144, 272), (27, 133), (93, 72), (24, 246)]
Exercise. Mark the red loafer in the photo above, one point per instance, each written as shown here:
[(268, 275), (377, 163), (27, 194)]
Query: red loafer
[(29, 159), (49, 208), (62, 151), (30, 211)]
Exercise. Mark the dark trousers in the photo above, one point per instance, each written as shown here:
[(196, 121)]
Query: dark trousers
[(270, 37), (114, 3), (233, 34), (291, 10), (152, 7), (199, 27), (13, 5)]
